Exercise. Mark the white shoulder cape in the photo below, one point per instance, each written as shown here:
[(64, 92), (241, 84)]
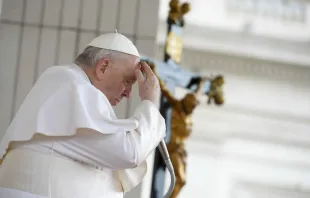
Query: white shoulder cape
[(42, 112)]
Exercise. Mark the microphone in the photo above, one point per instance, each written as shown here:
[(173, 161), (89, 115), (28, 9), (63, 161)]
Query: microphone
[(164, 153)]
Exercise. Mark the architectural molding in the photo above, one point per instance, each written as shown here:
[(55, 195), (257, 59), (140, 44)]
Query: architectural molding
[(242, 44), (214, 50), (224, 150), (209, 61), (257, 190), (204, 146), (201, 147), (270, 122), (290, 131)]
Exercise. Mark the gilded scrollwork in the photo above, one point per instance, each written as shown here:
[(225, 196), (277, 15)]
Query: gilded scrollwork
[(177, 12), (216, 90), (181, 128)]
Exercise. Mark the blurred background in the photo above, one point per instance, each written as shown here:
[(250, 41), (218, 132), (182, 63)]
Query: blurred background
[(256, 145)]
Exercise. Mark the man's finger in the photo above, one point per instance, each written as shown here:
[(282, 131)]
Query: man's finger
[(146, 68), (139, 76)]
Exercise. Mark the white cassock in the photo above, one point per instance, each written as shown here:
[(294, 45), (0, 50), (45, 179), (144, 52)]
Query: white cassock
[(66, 141)]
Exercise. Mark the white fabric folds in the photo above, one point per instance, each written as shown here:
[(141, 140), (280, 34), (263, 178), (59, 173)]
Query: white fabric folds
[(55, 177), (63, 101)]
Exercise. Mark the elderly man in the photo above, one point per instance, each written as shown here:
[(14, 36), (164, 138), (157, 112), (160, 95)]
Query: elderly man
[(66, 141)]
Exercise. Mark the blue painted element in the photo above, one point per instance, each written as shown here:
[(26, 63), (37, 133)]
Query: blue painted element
[(176, 30), (172, 73)]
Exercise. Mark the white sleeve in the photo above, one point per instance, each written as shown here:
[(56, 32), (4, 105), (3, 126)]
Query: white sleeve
[(122, 149), (82, 113)]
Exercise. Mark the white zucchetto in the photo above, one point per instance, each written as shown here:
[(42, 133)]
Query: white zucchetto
[(115, 41)]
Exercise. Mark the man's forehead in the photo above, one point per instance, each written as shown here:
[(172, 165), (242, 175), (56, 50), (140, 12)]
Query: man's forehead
[(137, 63), (132, 66), (133, 61)]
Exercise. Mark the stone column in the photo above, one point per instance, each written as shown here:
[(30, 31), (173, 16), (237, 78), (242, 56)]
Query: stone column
[(37, 34)]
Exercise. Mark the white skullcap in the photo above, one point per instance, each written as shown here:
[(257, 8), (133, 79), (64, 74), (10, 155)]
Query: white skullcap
[(115, 41)]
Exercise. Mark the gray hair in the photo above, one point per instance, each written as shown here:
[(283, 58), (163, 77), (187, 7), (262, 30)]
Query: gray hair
[(92, 55)]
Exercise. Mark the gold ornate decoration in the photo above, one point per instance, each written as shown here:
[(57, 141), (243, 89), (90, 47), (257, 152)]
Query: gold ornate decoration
[(174, 46), (177, 12), (181, 129), (216, 92), (174, 43), (181, 122)]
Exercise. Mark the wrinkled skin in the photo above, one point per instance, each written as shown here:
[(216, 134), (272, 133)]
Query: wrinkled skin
[(114, 78)]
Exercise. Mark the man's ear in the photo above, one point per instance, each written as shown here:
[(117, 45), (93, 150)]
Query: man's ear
[(101, 68)]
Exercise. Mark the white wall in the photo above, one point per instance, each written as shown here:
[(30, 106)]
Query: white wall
[(224, 173)]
